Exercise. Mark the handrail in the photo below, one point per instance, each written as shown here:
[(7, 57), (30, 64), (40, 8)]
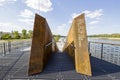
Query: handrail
[(104, 43), (49, 43), (72, 46)]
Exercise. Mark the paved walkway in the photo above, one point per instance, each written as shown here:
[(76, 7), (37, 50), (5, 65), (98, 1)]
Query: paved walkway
[(60, 67)]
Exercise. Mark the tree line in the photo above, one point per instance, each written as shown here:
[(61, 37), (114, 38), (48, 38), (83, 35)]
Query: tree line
[(115, 35), (56, 37), (16, 35)]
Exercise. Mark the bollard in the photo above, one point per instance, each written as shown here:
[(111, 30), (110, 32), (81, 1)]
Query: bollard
[(4, 51), (9, 46), (89, 47), (101, 50)]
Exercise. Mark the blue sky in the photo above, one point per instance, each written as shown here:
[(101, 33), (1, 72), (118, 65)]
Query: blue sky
[(102, 16)]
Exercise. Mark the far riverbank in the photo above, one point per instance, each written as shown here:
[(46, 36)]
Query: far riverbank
[(15, 40), (118, 39)]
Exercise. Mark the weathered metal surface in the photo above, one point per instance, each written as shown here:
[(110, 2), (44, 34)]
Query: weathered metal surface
[(77, 45), (40, 53)]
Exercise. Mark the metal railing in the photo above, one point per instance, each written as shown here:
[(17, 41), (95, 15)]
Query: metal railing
[(50, 43), (106, 51), (7, 47)]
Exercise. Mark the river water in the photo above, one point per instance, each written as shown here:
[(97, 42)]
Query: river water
[(107, 52), (104, 40)]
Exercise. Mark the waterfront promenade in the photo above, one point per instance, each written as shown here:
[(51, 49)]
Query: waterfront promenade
[(60, 67)]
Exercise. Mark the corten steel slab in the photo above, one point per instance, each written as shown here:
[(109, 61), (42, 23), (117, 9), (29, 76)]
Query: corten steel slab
[(77, 45), (39, 51)]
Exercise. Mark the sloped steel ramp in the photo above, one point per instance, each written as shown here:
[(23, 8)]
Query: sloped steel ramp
[(59, 67)]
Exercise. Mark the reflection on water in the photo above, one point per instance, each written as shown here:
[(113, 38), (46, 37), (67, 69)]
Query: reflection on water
[(110, 53), (104, 40)]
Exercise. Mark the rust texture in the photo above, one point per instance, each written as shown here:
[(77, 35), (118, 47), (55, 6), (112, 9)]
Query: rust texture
[(77, 45), (43, 45)]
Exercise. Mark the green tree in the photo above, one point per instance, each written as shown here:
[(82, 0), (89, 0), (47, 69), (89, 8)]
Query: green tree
[(16, 35), (24, 34), (57, 37), (30, 33), (115, 35), (6, 36)]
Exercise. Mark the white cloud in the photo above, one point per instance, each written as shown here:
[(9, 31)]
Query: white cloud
[(2, 2), (75, 15), (27, 17), (41, 5), (27, 21), (94, 14), (92, 27), (93, 22), (61, 29), (26, 13), (8, 27), (70, 21), (116, 25)]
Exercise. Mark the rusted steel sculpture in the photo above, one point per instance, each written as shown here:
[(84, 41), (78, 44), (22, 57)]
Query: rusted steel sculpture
[(42, 45), (77, 45)]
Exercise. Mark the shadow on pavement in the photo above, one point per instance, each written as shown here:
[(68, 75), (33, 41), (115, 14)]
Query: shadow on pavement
[(101, 67)]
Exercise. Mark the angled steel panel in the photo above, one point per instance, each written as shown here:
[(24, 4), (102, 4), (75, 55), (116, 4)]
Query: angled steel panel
[(40, 53), (37, 49), (82, 60), (77, 45)]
